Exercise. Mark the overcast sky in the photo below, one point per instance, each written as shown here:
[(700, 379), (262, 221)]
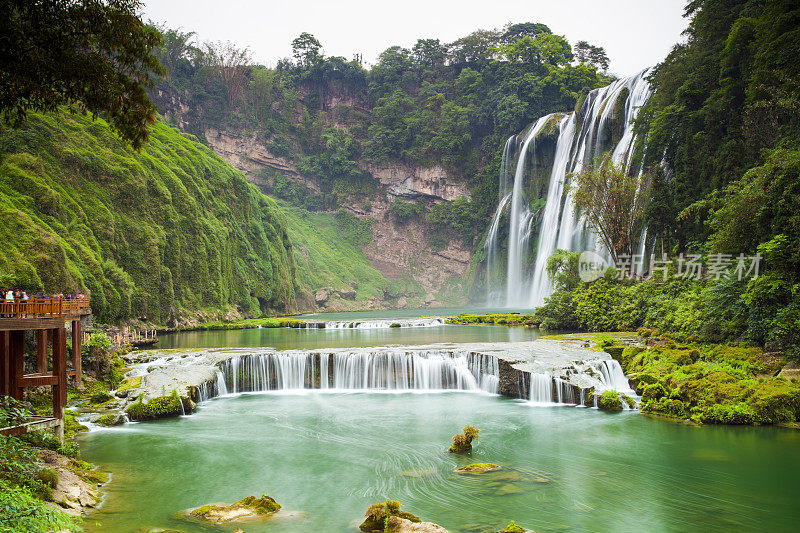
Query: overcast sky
[(635, 33)]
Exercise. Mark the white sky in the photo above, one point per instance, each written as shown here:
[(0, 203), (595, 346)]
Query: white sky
[(635, 33)]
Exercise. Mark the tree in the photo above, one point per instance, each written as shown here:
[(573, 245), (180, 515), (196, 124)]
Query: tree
[(95, 54), (613, 202), (176, 50), (515, 32), (306, 50), (586, 53), (231, 65)]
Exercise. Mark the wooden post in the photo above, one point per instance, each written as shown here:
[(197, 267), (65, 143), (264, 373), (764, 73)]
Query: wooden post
[(42, 341), (5, 365), (60, 370), (17, 348), (76, 349)]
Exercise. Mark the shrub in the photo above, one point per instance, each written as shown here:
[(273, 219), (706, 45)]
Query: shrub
[(462, 442)]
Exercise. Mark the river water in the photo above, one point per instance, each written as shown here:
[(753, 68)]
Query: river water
[(326, 456)]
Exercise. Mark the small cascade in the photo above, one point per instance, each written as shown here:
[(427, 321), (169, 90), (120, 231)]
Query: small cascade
[(432, 370), (603, 124), (425, 322), (541, 388), (612, 376)]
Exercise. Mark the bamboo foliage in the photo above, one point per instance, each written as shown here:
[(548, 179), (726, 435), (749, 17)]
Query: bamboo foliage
[(613, 202)]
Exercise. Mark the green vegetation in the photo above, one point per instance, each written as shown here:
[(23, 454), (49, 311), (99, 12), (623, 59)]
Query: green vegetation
[(378, 514), (325, 258), (58, 53), (714, 384), (265, 505), (450, 104), (512, 527), (500, 319), (462, 442), (612, 400), (157, 234), (25, 485), (160, 407), (477, 468)]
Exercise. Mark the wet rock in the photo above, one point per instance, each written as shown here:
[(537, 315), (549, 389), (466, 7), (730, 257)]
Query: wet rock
[(478, 468), (113, 419), (387, 517), (245, 508)]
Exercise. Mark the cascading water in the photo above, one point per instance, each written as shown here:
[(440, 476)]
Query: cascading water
[(602, 125), (396, 371)]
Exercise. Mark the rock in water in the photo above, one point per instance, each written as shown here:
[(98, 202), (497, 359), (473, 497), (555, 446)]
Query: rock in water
[(478, 468), (387, 517), (245, 508)]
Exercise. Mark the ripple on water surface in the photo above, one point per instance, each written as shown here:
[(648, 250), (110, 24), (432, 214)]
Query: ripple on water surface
[(331, 455)]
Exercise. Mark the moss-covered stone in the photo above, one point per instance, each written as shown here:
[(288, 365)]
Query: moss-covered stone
[(378, 514), (131, 382), (610, 400), (478, 468), (160, 407), (247, 507), (110, 420), (512, 527), (462, 442), (614, 351)]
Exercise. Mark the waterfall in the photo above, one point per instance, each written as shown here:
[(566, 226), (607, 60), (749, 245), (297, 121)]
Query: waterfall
[(424, 322), (603, 124), (429, 370), (612, 376)]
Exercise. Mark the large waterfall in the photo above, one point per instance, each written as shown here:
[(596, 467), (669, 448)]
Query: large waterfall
[(546, 153), (428, 370)]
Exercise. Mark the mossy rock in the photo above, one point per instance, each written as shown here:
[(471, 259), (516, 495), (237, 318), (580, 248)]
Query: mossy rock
[(478, 468), (378, 515), (614, 351), (513, 527), (248, 507), (654, 391), (394, 325), (160, 407), (610, 401), (110, 420), (131, 382)]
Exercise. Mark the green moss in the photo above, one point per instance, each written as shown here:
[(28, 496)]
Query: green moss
[(512, 528), (713, 384), (394, 325), (378, 514), (462, 442), (100, 397), (610, 400), (132, 382), (160, 407), (614, 351), (150, 234), (477, 468), (48, 476)]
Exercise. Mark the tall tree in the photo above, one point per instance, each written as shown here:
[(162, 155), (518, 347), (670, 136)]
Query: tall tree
[(97, 54), (613, 202), (306, 50), (231, 65)]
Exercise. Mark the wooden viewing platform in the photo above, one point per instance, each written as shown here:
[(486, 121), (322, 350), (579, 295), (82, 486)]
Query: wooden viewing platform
[(47, 318)]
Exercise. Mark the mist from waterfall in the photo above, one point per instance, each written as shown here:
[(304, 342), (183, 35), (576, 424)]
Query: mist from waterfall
[(583, 137)]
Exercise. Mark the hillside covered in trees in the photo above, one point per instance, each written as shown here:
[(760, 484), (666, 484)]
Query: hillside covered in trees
[(450, 104)]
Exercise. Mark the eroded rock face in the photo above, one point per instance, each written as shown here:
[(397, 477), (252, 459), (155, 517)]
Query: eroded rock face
[(401, 525), (403, 181)]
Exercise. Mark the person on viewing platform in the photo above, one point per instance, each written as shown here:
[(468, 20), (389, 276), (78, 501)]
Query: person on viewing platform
[(10, 296), (24, 297), (39, 295)]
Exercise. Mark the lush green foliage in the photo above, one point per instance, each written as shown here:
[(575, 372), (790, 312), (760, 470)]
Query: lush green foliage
[(503, 319), (327, 252), (160, 407), (20, 510), (56, 53), (712, 383), (462, 442), (149, 234), (452, 104)]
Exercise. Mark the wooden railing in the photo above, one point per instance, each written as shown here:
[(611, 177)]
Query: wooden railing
[(44, 308)]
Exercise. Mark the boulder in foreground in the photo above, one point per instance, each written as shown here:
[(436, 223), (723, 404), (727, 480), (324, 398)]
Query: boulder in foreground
[(249, 507)]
